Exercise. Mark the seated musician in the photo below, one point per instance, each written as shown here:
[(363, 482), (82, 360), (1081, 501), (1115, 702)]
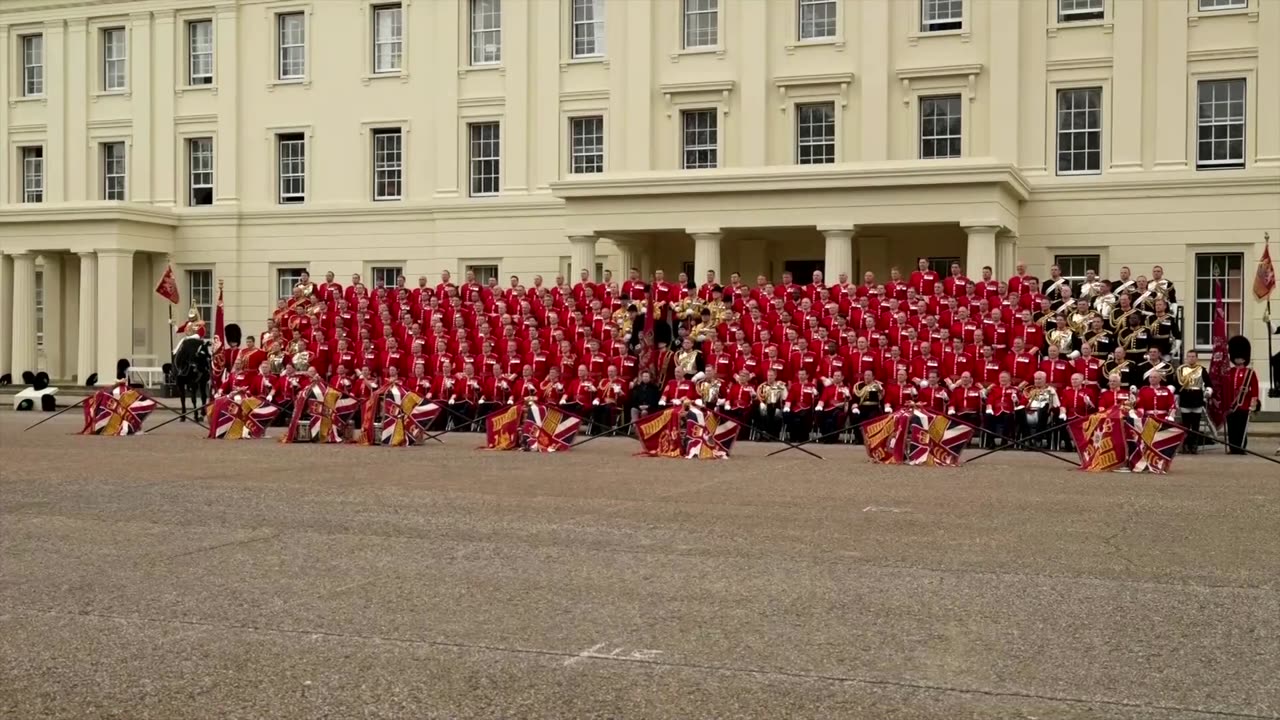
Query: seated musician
[(1042, 406), (1157, 399), (770, 396), (611, 399), (1005, 404), (870, 402), (1079, 400), (966, 401), (833, 407)]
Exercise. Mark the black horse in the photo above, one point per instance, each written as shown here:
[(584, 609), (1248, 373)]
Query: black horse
[(191, 372)]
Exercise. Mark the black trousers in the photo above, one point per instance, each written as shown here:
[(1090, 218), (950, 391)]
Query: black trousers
[(1005, 425), (799, 423), (866, 415), (1237, 425), (1191, 421), (831, 422)]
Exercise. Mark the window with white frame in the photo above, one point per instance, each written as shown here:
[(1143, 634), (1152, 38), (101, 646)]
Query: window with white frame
[(815, 133), (200, 171), (113, 171), (1079, 131), (486, 32), (940, 15), (286, 280), (586, 144), (200, 52), (942, 265), (33, 174), (588, 28), (388, 164), (940, 127), (1227, 271), (385, 276), (1211, 5), (200, 290), (1220, 124), (291, 156), (291, 30), (32, 65), (388, 38), (701, 23), (114, 59), (817, 19), (1073, 267), (39, 309), (1079, 10), (701, 142), (485, 148), (483, 273)]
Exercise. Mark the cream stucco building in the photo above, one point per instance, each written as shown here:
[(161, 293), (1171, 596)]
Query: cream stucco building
[(245, 140)]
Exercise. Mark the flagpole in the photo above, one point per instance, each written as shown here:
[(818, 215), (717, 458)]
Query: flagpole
[(1271, 367)]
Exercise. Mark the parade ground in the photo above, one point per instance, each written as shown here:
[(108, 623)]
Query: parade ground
[(166, 576)]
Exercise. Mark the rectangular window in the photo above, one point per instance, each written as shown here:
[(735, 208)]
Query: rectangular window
[(817, 19), (1080, 131), (200, 52), (1213, 269), (114, 59), (940, 15), (486, 158), (292, 33), (385, 276), (701, 23), (816, 134), (291, 153), (586, 144), (388, 38), (486, 32), (33, 174), (1211, 5), (113, 171), (588, 28), (942, 265), (200, 171), (940, 127), (1074, 266), (1079, 10), (701, 143), (483, 273), (1220, 124), (286, 280), (32, 65), (388, 164), (200, 290)]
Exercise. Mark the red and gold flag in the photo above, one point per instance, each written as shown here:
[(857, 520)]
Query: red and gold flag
[(1264, 280), (168, 287)]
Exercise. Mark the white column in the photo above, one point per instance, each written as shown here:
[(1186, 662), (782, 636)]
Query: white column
[(706, 254), (6, 314), (628, 257), (115, 311), (982, 249), (582, 254), (24, 314), (53, 315), (839, 257), (1008, 252), (87, 347)]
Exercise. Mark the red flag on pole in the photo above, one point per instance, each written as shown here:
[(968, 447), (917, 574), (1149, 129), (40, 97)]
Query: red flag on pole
[(1264, 280), (168, 287), (1221, 365)]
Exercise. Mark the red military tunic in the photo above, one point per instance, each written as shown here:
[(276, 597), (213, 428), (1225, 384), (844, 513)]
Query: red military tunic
[(1078, 403), (1112, 398), (1057, 372), (966, 400), (1242, 389), (1004, 400), (934, 398), (896, 396), (1156, 402)]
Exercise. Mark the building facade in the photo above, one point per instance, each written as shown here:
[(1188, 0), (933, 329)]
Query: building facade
[(246, 140)]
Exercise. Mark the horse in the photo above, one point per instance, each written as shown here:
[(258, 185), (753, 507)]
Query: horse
[(191, 370)]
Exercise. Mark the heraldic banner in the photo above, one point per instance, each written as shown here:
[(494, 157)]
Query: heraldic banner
[(916, 436), (1112, 440), (396, 417), (240, 417), (689, 432), (531, 426), (326, 412), (118, 411)]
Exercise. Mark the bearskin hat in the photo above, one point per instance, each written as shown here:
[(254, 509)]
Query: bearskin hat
[(122, 368), (232, 333), (41, 381), (92, 380), (28, 377), (1238, 348), (6, 379)]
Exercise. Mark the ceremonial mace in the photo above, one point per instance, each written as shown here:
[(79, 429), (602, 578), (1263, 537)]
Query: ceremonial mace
[(72, 407)]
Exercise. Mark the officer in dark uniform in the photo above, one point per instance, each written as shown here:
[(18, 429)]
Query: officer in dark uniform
[(1193, 388)]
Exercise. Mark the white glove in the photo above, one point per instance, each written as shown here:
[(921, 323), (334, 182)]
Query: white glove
[(786, 408), (595, 402), (763, 407), (922, 383), (698, 402), (951, 411), (818, 407), (662, 402), (888, 407), (1208, 392), (1062, 415), (990, 411)]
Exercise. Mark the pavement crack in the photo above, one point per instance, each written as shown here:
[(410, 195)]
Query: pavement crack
[(588, 656), (219, 546), (1113, 548)]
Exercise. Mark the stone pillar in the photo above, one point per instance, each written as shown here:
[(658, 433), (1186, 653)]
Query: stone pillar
[(24, 314), (628, 257), (839, 258), (582, 254), (982, 248), (1007, 248), (6, 314), (53, 315), (706, 254), (87, 350), (115, 311)]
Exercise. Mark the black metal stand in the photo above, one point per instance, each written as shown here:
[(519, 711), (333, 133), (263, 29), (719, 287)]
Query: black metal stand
[(190, 413), (1020, 442), (66, 409)]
